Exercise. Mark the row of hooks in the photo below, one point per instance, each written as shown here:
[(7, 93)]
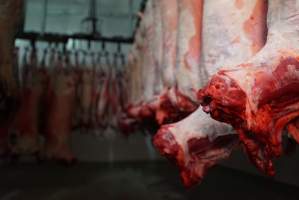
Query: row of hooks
[(118, 58)]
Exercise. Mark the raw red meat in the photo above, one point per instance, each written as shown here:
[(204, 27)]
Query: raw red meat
[(103, 102), (260, 97), (26, 122), (10, 21), (12, 12), (86, 85), (195, 144), (159, 92), (128, 118), (198, 142), (61, 109), (171, 106), (152, 60)]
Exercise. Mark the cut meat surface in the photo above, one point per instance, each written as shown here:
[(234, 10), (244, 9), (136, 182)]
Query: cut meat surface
[(260, 97), (195, 144), (264, 103)]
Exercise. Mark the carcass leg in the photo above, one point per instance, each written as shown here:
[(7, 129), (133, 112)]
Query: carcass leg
[(195, 144), (59, 122)]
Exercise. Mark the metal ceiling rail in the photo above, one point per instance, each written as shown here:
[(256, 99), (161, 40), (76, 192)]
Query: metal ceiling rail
[(64, 38), (95, 36)]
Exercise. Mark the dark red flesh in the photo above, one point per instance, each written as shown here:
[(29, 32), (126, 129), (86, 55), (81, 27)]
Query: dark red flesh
[(167, 112), (202, 153), (276, 97), (162, 111)]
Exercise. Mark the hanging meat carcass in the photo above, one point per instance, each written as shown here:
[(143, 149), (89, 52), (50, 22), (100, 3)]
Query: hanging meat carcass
[(182, 24), (188, 53), (134, 79), (168, 109), (260, 96), (157, 47), (147, 68), (116, 87), (126, 124), (85, 92), (11, 11), (97, 77), (113, 95), (103, 99), (131, 86), (26, 123), (9, 107), (146, 60), (169, 19), (198, 142), (122, 81), (60, 111)]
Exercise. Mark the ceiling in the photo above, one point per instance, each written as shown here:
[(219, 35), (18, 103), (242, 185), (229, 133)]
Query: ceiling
[(116, 17)]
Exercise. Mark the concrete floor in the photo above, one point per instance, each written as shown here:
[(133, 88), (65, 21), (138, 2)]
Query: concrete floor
[(130, 181)]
